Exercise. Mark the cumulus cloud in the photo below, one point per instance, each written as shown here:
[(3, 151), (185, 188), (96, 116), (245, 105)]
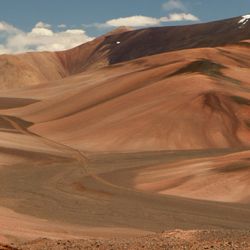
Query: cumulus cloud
[(43, 25), (141, 21), (134, 21), (40, 38), (62, 26), (5, 27), (174, 5), (177, 17), (4, 50)]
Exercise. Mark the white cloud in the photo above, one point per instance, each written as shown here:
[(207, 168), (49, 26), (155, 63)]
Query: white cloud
[(62, 26), (4, 50), (133, 21), (176, 17), (41, 32), (75, 32), (40, 38), (141, 21), (174, 5), (7, 27), (43, 25)]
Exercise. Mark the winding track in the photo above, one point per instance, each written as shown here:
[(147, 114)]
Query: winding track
[(74, 153), (102, 203)]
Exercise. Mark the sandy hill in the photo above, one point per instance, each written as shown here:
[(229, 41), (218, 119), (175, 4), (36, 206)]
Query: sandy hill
[(190, 99)]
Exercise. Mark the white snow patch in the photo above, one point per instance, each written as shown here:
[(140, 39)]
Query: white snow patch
[(118, 42), (244, 19)]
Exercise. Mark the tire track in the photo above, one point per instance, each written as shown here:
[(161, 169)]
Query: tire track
[(72, 152)]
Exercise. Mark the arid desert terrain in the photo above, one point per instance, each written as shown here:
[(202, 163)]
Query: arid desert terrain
[(139, 139)]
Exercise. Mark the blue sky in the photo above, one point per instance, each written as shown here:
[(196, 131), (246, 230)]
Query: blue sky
[(26, 13), (85, 19)]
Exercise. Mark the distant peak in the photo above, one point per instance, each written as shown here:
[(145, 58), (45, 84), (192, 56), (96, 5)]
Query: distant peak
[(244, 19)]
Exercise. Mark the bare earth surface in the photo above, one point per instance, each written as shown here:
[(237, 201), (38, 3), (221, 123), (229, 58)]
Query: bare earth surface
[(193, 240), (106, 147)]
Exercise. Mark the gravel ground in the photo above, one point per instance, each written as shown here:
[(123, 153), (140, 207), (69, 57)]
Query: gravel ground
[(167, 240)]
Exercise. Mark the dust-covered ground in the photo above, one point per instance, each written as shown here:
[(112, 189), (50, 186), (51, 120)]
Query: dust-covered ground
[(223, 239)]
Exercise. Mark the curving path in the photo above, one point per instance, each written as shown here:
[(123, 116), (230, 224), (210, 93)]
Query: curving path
[(88, 193)]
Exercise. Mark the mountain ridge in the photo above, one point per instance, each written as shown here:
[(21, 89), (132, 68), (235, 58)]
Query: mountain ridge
[(119, 46)]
